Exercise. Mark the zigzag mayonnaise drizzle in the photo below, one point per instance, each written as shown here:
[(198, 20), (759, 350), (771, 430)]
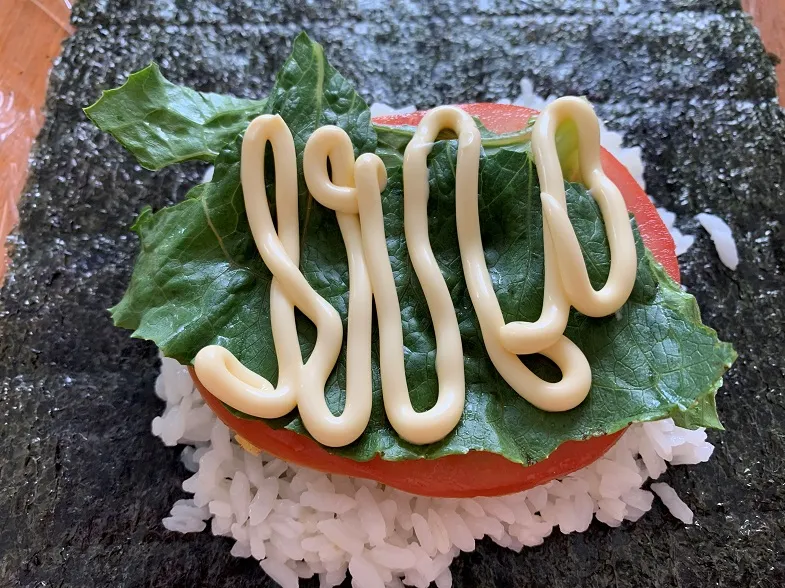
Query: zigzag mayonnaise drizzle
[(354, 192), (299, 384)]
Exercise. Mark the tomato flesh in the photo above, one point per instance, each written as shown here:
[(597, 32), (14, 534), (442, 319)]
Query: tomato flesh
[(476, 473)]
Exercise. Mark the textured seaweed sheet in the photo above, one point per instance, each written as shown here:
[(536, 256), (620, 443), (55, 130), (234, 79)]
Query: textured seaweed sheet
[(83, 483)]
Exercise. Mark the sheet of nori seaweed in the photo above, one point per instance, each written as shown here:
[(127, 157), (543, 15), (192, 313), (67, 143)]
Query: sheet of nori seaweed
[(83, 484)]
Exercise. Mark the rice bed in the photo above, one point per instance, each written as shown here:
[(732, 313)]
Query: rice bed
[(300, 522)]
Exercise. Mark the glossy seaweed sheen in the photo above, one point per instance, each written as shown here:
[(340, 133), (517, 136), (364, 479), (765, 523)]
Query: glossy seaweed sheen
[(83, 483)]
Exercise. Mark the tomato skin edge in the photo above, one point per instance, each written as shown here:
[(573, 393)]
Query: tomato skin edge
[(475, 473)]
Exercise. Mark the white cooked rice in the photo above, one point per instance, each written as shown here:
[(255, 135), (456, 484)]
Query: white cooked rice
[(683, 242), (720, 233), (300, 523)]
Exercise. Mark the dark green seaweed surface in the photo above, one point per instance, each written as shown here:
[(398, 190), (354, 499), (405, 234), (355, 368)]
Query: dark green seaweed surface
[(83, 484)]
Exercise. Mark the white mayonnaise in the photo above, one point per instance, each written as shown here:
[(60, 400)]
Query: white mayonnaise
[(353, 191)]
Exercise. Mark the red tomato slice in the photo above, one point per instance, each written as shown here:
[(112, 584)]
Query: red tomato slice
[(475, 473)]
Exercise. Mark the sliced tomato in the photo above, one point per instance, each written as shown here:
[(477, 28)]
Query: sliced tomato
[(475, 473)]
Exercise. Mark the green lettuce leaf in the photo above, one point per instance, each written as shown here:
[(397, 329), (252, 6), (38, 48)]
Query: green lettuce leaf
[(199, 280), (161, 123)]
